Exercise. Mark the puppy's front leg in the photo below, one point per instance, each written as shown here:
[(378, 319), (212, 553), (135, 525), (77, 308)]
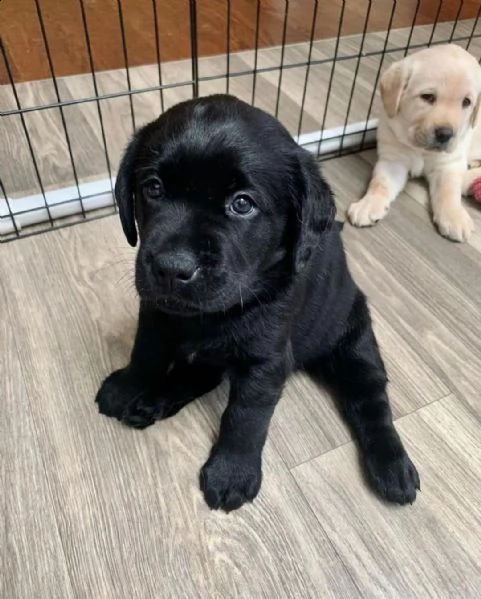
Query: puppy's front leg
[(130, 394), (388, 180), (232, 475), (450, 216)]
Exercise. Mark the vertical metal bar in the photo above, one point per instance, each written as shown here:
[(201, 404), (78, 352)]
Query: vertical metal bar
[(433, 30), (10, 213), (157, 49), (456, 19), (61, 110), (27, 134), (96, 91), (256, 52), (126, 60), (283, 50), (356, 71), (475, 24), (378, 74), (194, 48), (413, 24), (331, 77), (308, 66), (227, 87)]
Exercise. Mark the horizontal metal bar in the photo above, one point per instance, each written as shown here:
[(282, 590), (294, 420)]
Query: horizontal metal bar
[(82, 197), (41, 231), (122, 94), (245, 73), (109, 212), (310, 140)]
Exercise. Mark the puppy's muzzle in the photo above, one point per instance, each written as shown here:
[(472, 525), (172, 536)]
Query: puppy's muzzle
[(437, 139), (173, 270), (443, 135)]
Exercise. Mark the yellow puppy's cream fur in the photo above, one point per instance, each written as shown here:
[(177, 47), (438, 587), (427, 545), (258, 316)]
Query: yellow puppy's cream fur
[(428, 127)]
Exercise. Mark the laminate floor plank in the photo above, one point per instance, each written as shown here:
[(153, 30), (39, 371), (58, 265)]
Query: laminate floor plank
[(430, 307), (132, 520), (429, 549), (31, 551), (112, 512)]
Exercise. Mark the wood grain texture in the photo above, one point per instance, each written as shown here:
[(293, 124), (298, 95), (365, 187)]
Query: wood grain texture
[(337, 95), (118, 513), (66, 38), (431, 307), (31, 551), (307, 422), (131, 517), (431, 549)]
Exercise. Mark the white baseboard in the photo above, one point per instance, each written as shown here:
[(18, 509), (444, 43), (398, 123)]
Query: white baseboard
[(63, 202), (59, 203), (336, 138)]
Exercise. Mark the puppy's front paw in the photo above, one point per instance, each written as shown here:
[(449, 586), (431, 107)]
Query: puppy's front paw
[(395, 478), (454, 222), (229, 480), (367, 211), (124, 397), (114, 394)]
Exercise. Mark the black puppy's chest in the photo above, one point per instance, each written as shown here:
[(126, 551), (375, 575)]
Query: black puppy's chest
[(216, 342), (212, 352)]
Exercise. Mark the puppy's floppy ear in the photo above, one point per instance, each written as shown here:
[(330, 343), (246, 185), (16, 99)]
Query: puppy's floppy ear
[(315, 210), (124, 192), (473, 121), (392, 85)]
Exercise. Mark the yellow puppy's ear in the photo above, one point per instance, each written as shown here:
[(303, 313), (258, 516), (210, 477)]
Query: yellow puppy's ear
[(393, 83), (473, 121), (474, 114)]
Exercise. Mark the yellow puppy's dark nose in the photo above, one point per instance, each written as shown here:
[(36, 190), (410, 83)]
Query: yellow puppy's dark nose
[(443, 134)]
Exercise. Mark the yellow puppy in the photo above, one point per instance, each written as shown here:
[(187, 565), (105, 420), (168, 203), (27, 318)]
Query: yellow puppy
[(428, 127)]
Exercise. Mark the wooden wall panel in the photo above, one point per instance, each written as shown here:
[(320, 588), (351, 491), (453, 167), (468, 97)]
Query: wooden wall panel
[(22, 37)]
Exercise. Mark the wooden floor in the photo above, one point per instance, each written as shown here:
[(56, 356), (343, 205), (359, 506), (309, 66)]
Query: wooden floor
[(335, 96), (162, 28), (95, 510)]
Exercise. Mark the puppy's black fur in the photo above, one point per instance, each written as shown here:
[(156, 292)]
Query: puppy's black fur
[(241, 272)]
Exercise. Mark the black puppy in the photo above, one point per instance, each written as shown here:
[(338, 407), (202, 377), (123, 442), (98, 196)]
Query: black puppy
[(241, 272)]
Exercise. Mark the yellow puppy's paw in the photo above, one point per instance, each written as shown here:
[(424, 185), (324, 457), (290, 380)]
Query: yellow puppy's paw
[(367, 211), (454, 223)]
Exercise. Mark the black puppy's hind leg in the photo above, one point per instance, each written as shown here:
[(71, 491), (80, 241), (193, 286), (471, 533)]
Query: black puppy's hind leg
[(356, 373)]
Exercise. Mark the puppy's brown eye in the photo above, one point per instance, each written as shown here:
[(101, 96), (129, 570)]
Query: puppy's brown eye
[(242, 205), (429, 98), (153, 189), (466, 102)]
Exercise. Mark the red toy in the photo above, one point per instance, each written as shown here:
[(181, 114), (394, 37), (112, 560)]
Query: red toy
[(476, 189)]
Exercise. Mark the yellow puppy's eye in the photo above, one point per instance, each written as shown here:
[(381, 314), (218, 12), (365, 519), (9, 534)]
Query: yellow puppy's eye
[(429, 98), (466, 102)]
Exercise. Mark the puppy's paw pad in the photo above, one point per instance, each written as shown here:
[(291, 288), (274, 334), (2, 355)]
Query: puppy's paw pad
[(396, 480), (229, 481), (140, 414), (367, 212), (454, 223)]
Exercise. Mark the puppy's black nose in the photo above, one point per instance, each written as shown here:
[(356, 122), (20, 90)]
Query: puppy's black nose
[(175, 267), (443, 134)]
